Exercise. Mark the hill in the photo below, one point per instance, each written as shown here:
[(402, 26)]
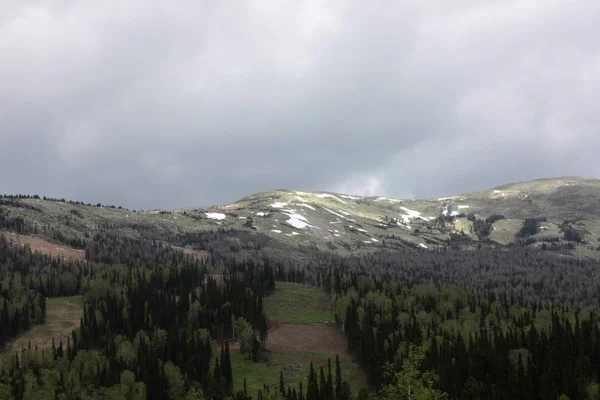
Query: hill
[(562, 214)]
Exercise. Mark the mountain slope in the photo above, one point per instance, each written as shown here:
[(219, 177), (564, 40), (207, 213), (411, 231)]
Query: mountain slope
[(292, 221)]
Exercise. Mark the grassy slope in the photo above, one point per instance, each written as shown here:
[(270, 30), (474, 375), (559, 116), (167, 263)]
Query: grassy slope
[(63, 315), (295, 370), (341, 224), (294, 304), (298, 304)]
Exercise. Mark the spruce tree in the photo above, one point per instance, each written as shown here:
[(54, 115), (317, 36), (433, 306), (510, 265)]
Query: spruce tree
[(312, 392), (329, 391), (322, 384), (226, 369), (281, 385), (338, 377)]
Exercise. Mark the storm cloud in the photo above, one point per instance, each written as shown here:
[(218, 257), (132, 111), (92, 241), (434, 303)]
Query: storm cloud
[(149, 104)]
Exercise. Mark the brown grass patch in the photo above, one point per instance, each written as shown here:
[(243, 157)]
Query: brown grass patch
[(45, 246), (196, 254), (318, 338)]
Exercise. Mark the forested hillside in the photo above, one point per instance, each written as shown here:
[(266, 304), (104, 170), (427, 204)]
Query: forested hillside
[(150, 311)]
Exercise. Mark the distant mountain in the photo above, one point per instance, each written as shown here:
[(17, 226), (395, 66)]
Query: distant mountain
[(559, 214)]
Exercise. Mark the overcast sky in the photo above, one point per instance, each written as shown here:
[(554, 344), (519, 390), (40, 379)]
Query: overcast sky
[(156, 104)]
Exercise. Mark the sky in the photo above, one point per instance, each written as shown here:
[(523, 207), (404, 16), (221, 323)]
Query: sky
[(154, 104)]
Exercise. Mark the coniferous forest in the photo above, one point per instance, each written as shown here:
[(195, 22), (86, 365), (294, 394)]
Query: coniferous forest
[(484, 324)]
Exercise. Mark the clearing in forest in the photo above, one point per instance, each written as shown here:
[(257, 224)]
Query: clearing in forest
[(301, 332), (63, 315), (45, 246)]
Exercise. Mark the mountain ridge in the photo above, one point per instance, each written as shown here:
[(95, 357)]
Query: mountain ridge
[(292, 221)]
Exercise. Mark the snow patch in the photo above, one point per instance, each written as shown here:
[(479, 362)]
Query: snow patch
[(279, 204), (454, 213), (462, 206), (361, 230), (307, 206), (393, 201), (302, 193), (215, 215), (325, 195), (411, 214), (345, 196), (275, 230), (422, 245), (375, 240), (261, 214), (344, 212), (296, 220), (292, 234)]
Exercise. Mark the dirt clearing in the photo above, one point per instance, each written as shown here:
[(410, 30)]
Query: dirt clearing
[(45, 246), (319, 338)]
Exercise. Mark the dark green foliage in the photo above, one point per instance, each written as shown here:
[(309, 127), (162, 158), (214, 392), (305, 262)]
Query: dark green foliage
[(153, 318), (282, 385), (535, 353), (493, 218), (482, 228), (116, 249), (572, 234), (530, 227)]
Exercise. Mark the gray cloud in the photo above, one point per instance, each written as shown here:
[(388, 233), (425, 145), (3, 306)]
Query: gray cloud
[(147, 104)]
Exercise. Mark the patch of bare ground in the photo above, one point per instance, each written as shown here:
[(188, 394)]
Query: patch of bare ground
[(196, 254), (318, 337), (45, 246)]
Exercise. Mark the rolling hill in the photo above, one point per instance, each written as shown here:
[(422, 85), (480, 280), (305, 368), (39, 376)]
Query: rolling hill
[(563, 214)]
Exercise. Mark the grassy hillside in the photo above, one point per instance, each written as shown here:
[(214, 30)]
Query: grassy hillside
[(63, 315), (293, 223), (298, 304)]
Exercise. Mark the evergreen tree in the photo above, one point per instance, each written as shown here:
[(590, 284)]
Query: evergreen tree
[(281, 385), (338, 377)]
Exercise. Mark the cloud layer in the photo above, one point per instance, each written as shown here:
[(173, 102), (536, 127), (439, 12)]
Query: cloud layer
[(155, 105)]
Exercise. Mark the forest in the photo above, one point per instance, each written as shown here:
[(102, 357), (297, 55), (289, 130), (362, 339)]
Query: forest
[(492, 323)]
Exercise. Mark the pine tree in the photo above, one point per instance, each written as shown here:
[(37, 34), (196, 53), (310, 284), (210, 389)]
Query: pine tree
[(329, 391), (338, 377), (217, 372), (312, 392), (281, 385), (226, 369), (322, 384)]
